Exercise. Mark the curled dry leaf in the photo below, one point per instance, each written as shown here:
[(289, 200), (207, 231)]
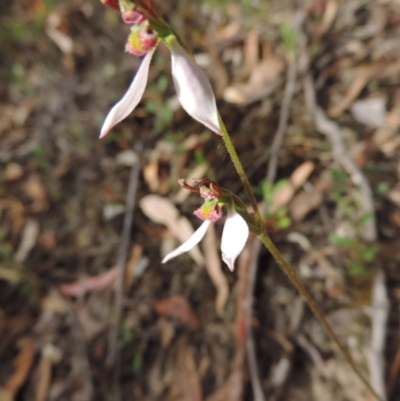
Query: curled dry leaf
[(214, 269), (28, 240), (264, 78), (163, 211), (95, 283), (370, 112), (298, 178), (35, 190), (190, 378), (13, 172), (306, 201), (22, 366), (178, 308)]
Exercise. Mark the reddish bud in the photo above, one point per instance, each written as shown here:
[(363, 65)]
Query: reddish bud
[(112, 4), (133, 17)]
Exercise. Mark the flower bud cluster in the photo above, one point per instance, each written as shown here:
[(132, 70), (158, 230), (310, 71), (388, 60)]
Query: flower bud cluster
[(142, 38)]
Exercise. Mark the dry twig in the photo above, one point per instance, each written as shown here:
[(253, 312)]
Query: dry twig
[(379, 316), (369, 232), (343, 157), (112, 356), (271, 174)]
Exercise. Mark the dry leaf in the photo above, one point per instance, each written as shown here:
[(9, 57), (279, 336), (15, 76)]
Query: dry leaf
[(178, 308), (298, 178), (28, 240), (330, 12), (189, 375), (264, 78), (370, 112), (34, 188), (306, 201), (390, 126), (213, 267), (22, 365), (50, 354), (91, 326), (94, 283), (13, 172)]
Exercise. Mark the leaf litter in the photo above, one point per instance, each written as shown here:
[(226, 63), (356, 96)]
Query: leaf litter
[(56, 179)]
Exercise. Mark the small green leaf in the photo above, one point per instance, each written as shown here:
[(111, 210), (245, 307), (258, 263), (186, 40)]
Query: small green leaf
[(341, 241)]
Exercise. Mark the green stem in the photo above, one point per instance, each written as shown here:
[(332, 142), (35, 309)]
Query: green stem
[(287, 269), (239, 168)]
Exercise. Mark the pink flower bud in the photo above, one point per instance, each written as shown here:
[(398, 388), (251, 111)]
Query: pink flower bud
[(111, 3), (133, 17)]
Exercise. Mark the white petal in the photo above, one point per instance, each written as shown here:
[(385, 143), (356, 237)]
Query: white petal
[(190, 243), (131, 98), (193, 88), (234, 237)]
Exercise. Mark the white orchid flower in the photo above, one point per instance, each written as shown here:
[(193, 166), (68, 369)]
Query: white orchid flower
[(234, 237), (192, 87)]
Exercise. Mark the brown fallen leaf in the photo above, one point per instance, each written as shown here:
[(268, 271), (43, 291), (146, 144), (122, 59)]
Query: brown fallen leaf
[(136, 254), (306, 201), (330, 12), (390, 126), (13, 172), (35, 190), (359, 77), (50, 355), (284, 195), (16, 211), (251, 49), (264, 78), (28, 241), (189, 375), (214, 270), (94, 283), (22, 365), (178, 308)]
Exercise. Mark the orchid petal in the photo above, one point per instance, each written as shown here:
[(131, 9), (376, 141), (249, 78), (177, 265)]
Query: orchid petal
[(131, 98), (234, 237), (190, 243), (193, 88)]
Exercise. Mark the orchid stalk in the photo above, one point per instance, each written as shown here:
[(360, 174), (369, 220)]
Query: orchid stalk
[(196, 96)]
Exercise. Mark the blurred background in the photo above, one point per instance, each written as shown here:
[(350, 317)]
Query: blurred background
[(309, 91)]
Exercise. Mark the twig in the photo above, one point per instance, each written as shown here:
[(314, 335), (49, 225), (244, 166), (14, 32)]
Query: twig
[(121, 262), (341, 154), (251, 351), (271, 174), (283, 118), (379, 312), (80, 344), (369, 231), (394, 372)]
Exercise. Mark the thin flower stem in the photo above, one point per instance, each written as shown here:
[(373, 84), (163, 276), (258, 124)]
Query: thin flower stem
[(239, 168), (287, 269)]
